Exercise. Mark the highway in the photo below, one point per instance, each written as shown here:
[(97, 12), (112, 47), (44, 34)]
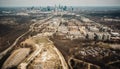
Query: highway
[(38, 48), (2, 54), (10, 48), (63, 62)]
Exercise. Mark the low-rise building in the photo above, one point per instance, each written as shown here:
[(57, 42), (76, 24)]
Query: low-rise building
[(82, 30), (105, 29), (90, 35), (115, 34), (60, 35), (62, 29), (98, 36), (86, 20), (73, 28), (106, 36), (75, 35), (92, 28)]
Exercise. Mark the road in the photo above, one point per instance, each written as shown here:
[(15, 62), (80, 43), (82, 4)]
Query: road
[(24, 64), (10, 48), (38, 48), (63, 62), (2, 54)]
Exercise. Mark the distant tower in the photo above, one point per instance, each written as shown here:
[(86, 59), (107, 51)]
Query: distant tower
[(64, 8), (55, 9), (59, 6)]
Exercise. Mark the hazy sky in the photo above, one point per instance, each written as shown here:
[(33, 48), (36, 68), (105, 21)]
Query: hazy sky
[(61, 2)]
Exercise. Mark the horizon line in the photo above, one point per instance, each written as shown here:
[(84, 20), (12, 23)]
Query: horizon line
[(61, 5)]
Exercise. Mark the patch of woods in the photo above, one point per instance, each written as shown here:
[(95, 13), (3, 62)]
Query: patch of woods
[(11, 27), (72, 48)]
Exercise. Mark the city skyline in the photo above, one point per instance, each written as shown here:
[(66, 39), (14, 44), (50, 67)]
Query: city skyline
[(21, 3)]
